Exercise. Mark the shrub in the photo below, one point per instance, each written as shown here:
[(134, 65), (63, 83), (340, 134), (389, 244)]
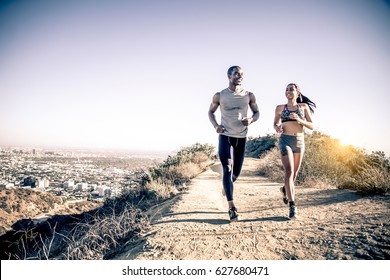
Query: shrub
[(271, 166), (372, 176), (325, 159), (186, 164), (327, 162), (256, 147), (344, 166)]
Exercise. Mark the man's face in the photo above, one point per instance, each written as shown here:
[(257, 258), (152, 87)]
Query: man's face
[(236, 77)]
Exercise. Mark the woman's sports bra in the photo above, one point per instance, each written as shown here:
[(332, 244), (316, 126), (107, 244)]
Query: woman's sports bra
[(285, 114)]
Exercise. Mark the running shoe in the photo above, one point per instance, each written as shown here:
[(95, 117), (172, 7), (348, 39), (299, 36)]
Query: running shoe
[(283, 191), (293, 212), (233, 214)]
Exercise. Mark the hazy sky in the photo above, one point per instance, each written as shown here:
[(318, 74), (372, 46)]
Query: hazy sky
[(141, 74)]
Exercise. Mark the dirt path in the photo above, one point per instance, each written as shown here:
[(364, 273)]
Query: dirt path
[(332, 224)]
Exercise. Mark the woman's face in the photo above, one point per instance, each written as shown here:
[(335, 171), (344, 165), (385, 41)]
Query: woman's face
[(291, 92)]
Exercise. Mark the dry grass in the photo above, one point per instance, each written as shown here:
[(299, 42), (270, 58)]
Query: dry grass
[(106, 234), (161, 190), (327, 163), (271, 165), (90, 236), (103, 232), (370, 180)]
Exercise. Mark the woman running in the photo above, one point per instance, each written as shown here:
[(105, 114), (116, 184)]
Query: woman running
[(290, 120)]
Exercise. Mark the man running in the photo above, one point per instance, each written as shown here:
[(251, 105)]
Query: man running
[(233, 102)]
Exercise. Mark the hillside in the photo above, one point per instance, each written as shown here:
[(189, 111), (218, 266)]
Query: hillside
[(332, 224), (26, 203), (193, 225)]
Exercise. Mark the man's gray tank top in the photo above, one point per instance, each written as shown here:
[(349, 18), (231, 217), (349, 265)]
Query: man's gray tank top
[(234, 107)]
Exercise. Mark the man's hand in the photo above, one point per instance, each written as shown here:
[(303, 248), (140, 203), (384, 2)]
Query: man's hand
[(219, 129), (246, 121)]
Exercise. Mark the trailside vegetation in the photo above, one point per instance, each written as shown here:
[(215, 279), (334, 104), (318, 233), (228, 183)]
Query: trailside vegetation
[(105, 231), (327, 161)]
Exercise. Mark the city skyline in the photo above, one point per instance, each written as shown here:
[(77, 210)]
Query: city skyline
[(140, 75)]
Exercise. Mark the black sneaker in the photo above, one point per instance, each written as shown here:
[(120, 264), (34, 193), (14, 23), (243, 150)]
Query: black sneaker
[(233, 214), (283, 191), (293, 212)]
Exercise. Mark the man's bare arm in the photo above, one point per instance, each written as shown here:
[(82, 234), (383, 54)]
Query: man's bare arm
[(255, 110), (213, 108)]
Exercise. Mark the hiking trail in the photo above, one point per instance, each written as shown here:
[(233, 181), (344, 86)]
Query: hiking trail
[(332, 223)]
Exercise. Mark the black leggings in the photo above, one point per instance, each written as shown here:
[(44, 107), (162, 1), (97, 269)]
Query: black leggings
[(231, 152)]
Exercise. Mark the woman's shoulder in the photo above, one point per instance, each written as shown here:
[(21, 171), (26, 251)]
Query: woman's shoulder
[(279, 108), (303, 105)]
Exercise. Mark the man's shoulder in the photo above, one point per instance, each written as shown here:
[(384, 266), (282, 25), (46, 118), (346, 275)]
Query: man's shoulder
[(217, 94), (223, 90)]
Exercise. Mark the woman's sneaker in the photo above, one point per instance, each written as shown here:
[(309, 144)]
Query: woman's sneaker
[(233, 214), (293, 212), (283, 191)]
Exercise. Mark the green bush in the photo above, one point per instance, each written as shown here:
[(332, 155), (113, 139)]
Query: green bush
[(257, 146), (174, 170)]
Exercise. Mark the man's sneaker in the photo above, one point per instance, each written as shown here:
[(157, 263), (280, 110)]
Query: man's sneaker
[(233, 214), (283, 191), (293, 212)]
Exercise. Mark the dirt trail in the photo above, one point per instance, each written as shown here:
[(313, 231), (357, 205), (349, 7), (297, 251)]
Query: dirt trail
[(332, 224)]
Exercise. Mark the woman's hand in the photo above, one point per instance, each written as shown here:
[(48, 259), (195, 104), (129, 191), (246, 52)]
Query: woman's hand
[(307, 124), (294, 116), (278, 128)]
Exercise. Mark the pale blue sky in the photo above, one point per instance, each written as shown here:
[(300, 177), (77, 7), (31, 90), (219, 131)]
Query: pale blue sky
[(141, 74)]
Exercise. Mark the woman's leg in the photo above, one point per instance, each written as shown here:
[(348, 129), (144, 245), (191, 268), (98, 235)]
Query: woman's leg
[(292, 158), (297, 163), (298, 151), (288, 164)]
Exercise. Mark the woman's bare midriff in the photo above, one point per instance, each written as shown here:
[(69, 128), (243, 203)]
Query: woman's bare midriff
[(292, 128)]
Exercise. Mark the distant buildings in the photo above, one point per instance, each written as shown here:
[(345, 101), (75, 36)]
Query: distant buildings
[(69, 185), (42, 183), (73, 176), (29, 182), (82, 187)]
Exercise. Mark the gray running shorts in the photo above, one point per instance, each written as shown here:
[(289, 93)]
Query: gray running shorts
[(296, 143)]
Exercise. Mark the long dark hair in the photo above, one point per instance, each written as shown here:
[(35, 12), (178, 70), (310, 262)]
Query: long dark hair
[(304, 99)]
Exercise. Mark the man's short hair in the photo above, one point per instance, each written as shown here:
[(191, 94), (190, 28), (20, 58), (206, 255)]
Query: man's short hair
[(231, 69)]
